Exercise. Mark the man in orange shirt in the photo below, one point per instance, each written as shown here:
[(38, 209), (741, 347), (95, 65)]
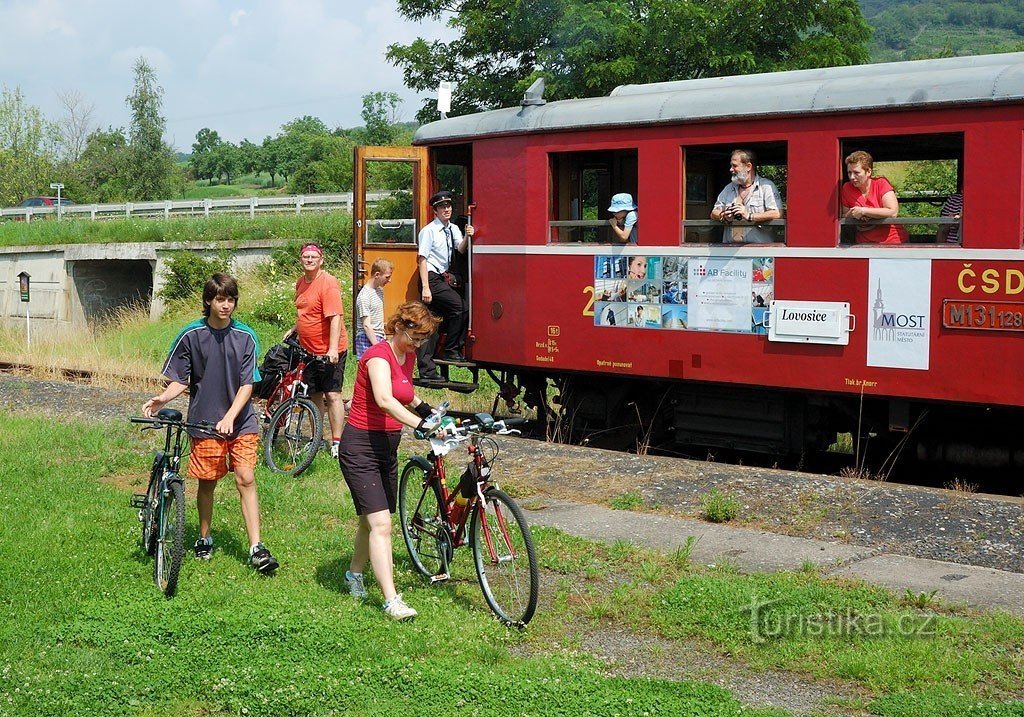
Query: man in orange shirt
[(321, 329)]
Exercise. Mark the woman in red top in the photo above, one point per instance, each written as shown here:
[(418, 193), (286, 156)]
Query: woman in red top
[(368, 452), (867, 197)]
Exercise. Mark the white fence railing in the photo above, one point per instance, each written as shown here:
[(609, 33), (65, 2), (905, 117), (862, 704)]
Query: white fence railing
[(195, 207)]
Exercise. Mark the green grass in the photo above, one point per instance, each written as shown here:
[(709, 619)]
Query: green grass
[(85, 632), (318, 226)]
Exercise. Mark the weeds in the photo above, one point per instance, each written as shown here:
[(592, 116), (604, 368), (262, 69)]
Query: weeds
[(919, 601), (630, 500), (961, 487), (719, 507), (682, 555)]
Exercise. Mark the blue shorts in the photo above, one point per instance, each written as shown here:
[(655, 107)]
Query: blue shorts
[(363, 343)]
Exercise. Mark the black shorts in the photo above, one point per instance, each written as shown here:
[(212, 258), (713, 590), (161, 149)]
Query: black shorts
[(369, 462), (323, 376)]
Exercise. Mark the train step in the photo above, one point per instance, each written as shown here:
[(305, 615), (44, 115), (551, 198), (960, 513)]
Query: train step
[(457, 386), (449, 362)]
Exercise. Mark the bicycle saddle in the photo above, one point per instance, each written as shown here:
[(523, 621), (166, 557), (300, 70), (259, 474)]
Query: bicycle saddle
[(169, 414)]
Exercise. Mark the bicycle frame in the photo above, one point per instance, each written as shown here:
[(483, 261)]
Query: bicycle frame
[(290, 385), (457, 517)]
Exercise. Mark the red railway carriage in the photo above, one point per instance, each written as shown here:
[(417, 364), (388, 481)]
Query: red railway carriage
[(769, 336)]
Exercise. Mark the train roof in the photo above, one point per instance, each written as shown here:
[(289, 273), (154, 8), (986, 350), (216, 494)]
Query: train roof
[(982, 79)]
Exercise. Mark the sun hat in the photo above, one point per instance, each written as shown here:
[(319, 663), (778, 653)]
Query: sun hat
[(622, 203)]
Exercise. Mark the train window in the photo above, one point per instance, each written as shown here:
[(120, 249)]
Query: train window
[(389, 211), (926, 174), (723, 208), (582, 187)]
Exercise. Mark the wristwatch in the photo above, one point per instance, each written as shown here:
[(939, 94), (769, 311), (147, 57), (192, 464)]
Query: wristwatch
[(750, 216)]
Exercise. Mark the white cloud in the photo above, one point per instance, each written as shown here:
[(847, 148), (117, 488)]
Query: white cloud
[(268, 64)]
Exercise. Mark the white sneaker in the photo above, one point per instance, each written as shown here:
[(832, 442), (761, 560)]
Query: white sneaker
[(396, 608), (356, 586), (334, 451)]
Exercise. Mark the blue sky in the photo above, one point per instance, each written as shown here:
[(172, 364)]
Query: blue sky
[(242, 68)]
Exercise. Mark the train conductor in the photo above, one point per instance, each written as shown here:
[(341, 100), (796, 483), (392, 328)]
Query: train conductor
[(442, 290)]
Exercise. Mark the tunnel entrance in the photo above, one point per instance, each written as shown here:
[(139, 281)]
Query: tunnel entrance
[(105, 286)]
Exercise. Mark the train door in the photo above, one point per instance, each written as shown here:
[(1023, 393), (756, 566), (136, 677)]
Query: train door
[(390, 186)]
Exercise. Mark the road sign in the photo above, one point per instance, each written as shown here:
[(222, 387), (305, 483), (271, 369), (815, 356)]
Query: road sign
[(23, 284)]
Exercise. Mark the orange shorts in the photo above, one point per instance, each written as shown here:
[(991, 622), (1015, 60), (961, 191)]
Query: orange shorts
[(209, 457)]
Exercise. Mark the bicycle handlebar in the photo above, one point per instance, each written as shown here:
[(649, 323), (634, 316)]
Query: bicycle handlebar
[(156, 422), (307, 356)]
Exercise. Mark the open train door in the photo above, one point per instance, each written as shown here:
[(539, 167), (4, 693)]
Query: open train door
[(390, 186)]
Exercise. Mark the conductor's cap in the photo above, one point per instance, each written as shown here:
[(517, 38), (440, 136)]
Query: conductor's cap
[(441, 198)]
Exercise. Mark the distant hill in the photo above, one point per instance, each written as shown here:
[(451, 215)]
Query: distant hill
[(915, 30)]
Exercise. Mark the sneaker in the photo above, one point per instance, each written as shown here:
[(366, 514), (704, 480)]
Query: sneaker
[(261, 560), (356, 587), (204, 548), (334, 449), (396, 608)]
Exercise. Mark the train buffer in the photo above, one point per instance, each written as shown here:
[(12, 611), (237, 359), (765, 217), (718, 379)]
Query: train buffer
[(453, 381)]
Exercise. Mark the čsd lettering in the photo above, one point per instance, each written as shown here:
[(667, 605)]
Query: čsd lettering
[(990, 281)]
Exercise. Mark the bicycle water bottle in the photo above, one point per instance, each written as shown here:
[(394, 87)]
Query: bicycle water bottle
[(467, 484)]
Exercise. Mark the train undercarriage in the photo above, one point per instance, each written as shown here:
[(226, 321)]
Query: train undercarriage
[(884, 437)]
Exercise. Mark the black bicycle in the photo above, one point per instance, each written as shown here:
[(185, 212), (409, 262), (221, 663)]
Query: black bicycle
[(162, 507)]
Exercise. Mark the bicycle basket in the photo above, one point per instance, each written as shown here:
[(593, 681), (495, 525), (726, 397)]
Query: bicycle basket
[(278, 359)]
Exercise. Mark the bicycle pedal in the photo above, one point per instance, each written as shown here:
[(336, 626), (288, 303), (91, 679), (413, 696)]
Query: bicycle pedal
[(439, 578), (138, 500)]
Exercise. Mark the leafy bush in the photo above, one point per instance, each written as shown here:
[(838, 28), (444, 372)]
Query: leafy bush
[(719, 507), (186, 272), (276, 308)]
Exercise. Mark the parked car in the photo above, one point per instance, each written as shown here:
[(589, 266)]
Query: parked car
[(45, 202)]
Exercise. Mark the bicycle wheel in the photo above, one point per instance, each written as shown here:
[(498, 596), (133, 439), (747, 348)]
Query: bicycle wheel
[(293, 436), (149, 514), (423, 527), (170, 542), (506, 562)]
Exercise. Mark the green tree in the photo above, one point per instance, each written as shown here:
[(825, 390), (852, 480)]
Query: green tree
[(102, 167), (28, 148), (201, 162), (225, 161), (249, 156), (269, 158), (325, 167), (584, 48), (380, 117), (150, 161)]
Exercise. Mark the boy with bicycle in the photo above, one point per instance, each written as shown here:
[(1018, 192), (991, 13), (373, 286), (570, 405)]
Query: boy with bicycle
[(215, 358)]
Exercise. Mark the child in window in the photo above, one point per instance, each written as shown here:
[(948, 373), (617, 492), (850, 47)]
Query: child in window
[(623, 219)]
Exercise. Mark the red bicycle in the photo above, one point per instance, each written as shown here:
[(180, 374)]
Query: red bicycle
[(294, 424), (434, 520)]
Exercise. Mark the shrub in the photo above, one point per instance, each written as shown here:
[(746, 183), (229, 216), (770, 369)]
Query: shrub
[(186, 272)]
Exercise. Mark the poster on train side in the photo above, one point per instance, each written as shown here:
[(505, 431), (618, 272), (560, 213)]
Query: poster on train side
[(678, 292), (899, 292), (720, 294)]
